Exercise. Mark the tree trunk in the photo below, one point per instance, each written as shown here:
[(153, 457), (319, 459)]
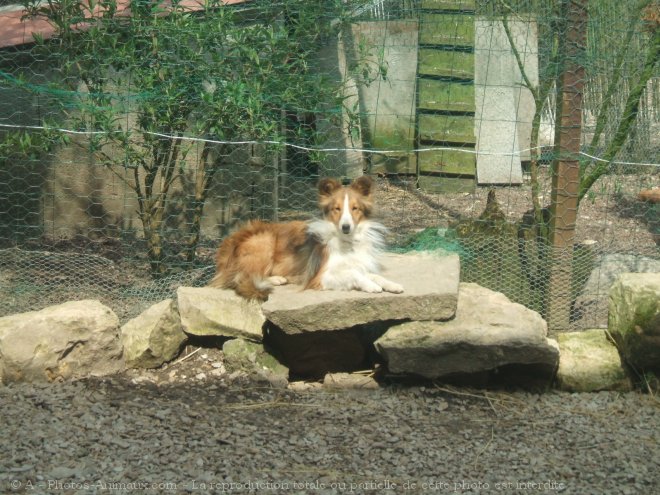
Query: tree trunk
[(566, 172)]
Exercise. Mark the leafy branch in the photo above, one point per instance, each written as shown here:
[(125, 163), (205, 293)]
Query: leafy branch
[(154, 76)]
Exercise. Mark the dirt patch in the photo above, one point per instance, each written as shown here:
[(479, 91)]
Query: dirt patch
[(611, 214)]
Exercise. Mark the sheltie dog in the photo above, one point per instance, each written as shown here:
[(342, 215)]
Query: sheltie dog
[(340, 251)]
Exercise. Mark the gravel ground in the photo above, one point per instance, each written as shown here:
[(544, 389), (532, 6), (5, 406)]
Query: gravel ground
[(114, 435)]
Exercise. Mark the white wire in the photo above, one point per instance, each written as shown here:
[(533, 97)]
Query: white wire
[(311, 148)]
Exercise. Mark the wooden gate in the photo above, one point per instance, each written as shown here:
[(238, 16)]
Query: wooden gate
[(445, 106)]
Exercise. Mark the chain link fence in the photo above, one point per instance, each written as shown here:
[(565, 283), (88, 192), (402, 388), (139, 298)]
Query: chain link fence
[(134, 135)]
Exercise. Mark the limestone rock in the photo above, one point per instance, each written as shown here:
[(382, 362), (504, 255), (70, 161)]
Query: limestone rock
[(207, 311), (589, 362), (70, 340), (154, 337), (353, 381), (610, 266), (430, 284), (302, 386), (489, 332), (634, 319), (252, 359)]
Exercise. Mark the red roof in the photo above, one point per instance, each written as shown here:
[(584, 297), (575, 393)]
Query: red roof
[(14, 31)]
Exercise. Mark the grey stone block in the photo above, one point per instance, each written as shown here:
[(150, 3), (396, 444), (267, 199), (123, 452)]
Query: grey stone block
[(430, 283)]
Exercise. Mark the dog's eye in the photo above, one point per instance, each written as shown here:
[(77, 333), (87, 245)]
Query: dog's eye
[(355, 208), (336, 208)]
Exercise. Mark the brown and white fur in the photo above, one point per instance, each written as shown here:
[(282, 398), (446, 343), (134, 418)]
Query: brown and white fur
[(340, 251)]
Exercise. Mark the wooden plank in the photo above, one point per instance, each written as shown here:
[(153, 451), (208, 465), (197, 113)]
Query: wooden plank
[(391, 132), (446, 63), (447, 162), (443, 185), (446, 29), (444, 95), (446, 171), (448, 4), (447, 128)]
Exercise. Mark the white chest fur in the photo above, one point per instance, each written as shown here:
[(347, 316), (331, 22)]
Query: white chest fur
[(351, 257)]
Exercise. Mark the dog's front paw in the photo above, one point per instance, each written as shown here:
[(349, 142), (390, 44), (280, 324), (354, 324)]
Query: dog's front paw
[(393, 287), (371, 287), (277, 280)]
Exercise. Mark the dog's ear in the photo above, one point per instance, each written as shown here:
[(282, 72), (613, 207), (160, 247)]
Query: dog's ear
[(328, 186), (363, 185)]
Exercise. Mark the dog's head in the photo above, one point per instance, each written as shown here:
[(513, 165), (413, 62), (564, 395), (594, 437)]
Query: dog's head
[(346, 206)]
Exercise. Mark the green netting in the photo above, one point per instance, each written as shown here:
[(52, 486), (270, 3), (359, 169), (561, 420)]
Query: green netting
[(134, 135)]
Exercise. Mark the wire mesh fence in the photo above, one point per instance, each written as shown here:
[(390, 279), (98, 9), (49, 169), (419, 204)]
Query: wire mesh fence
[(134, 135)]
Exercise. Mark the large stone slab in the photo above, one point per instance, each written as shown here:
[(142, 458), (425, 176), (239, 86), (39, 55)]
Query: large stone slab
[(634, 318), (208, 312), (154, 337), (489, 332), (430, 283), (71, 340), (589, 362)]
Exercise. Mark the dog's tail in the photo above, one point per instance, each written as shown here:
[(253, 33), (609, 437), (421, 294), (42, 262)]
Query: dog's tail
[(250, 287), (253, 287)]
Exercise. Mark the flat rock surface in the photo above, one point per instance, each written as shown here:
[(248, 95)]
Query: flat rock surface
[(430, 285), (488, 331), (182, 438), (219, 313)]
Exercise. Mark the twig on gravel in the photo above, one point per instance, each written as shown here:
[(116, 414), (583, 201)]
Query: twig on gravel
[(476, 459), (181, 360), (643, 378), (484, 396), (370, 373), (650, 390), (490, 403)]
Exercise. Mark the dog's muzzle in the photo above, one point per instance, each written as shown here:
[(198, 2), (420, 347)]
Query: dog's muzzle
[(346, 228)]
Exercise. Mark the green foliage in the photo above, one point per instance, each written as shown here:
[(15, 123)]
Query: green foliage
[(432, 239), (20, 179), (143, 83), (502, 256), (29, 145)]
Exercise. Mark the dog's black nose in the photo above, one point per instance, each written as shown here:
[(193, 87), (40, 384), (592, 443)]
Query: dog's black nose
[(346, 228)]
